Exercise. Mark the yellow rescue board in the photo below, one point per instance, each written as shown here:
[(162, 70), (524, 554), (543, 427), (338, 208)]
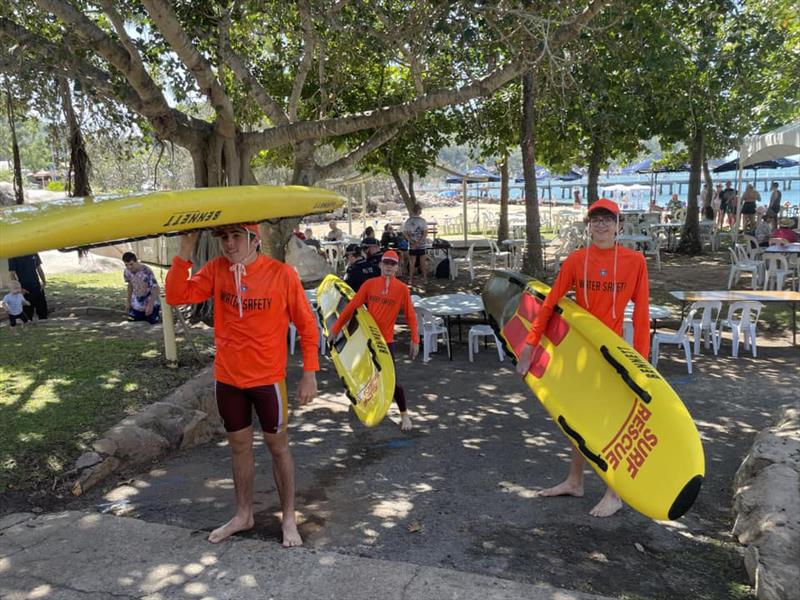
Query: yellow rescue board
[(77, 222), (359, 353), (608, 400)]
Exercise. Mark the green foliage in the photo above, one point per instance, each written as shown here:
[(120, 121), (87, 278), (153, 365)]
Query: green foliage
[(55, 186)]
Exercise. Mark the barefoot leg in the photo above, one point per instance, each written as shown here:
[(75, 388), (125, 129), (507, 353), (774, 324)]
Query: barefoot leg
[(283, 472), (573, 484), (608, 505), (241, 443)]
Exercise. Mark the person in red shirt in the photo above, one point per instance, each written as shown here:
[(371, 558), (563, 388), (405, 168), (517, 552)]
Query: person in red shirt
[(385, 296), (255, 298), (605, 277)]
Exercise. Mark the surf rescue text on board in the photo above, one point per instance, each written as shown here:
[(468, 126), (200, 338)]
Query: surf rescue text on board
[(634, 441)]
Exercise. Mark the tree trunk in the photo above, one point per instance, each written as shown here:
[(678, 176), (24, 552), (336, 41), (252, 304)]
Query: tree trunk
[(407, 196), (594, 172), (79, 163), (690, 238), (533, 262), (19, 193), (709, 211), (502, 227)]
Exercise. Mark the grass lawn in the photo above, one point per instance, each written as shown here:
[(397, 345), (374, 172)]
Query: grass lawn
[(64, 382)]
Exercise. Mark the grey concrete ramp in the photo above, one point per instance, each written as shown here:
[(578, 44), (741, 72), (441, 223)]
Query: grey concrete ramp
[(89, 556)]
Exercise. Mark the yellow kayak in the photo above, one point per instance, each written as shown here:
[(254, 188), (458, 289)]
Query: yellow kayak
[(95, 220), (611, 403), (360, 354)]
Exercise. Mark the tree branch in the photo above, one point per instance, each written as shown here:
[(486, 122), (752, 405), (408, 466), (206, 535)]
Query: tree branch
[(308, 56), (267, 103), (168, 24), (376, 140)]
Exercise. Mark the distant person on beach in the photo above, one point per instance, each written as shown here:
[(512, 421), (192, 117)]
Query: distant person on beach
[(674, 205), (255, 299), (296, 232), (774, 206), (785, 232), (576, 199), (142, 301), (309, 239), (415, 230), (705, 204), (763, 230), (588, 272), (728, 205), (750, 199), (390, 238), (14, 302), (716, 204), (369, 232), (27, 270)]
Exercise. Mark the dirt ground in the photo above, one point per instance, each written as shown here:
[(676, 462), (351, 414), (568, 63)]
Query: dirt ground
[(459, 491)]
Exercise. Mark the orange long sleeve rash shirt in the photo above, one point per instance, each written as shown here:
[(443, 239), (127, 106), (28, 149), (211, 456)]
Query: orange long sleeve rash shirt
[(594, 291), (251, 349), (384, 305)]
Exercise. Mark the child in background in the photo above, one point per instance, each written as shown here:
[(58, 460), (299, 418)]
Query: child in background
[(13, 302)]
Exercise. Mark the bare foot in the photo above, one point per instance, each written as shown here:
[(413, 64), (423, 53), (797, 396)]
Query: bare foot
[(610, 504), (235, 525), (405, 423), (291, 537), (565, 488)]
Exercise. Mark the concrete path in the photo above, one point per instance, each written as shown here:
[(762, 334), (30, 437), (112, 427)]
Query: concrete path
[(89, 556)]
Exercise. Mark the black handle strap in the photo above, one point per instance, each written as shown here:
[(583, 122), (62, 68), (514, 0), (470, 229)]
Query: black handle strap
[(626, 377), (581, 443)]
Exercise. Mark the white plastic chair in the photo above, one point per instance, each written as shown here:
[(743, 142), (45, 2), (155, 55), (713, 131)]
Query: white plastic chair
[(652, 247), (679, 337), (465, 261), (704, 325), (741, 265), (777, 270), (293, 336), (430, 328), (503, 256), (478, 331), (742, 320)]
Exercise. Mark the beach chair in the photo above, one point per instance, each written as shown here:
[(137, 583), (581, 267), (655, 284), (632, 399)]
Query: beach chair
[(431, 328), (476, 332), (742, 320), (679, 337)]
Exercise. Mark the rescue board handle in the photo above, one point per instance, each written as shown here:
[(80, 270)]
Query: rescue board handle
[(598, 460), (626, 377)]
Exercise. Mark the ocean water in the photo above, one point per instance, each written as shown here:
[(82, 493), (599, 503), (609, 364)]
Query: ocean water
[(666, 183)]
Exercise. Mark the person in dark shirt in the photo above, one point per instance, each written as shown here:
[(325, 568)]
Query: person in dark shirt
[(364, 268), (28, 271)]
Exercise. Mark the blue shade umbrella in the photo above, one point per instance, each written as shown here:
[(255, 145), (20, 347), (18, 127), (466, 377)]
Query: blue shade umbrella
[(638, 167), (777, 163), (571, 175), (477, 174), (541, 173)]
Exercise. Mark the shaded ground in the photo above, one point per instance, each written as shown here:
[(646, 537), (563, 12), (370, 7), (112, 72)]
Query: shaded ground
[(459, 491)]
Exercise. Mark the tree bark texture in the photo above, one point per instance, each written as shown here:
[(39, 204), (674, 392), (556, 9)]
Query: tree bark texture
[(79, 163), (533, 262), (690, 237), (595, 158), (19, 192), (502, 226)]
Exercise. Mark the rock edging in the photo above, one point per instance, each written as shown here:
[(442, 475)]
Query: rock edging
[(767, 506), (185, 418)]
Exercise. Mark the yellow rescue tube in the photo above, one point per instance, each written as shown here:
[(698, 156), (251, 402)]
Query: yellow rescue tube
[(359, 353), (610, 402), (94, 220)]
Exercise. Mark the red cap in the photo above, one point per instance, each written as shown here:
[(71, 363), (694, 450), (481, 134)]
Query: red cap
[(251, 227), (391, 255), (605, 203)]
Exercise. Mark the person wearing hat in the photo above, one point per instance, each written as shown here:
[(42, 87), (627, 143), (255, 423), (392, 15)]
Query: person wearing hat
[(784, 231), (255, 298), (360, 268), (385, 297), (605, 277)]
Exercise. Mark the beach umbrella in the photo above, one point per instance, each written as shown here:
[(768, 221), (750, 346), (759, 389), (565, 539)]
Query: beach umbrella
[(638, 167), (777, 163), (476, 174), (685, 167), (571, 175)]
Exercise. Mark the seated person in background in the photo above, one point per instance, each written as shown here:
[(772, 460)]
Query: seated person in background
[(310, 240), (369, 232), (141, 303), (335, 234), (763, 230), (784, 232), (297, 233), (390, 238), (674, 205), (360, 268)]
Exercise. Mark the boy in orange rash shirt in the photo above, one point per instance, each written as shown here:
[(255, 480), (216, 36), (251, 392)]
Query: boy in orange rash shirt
[(605, 278), (255, 297), (384, 297)]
